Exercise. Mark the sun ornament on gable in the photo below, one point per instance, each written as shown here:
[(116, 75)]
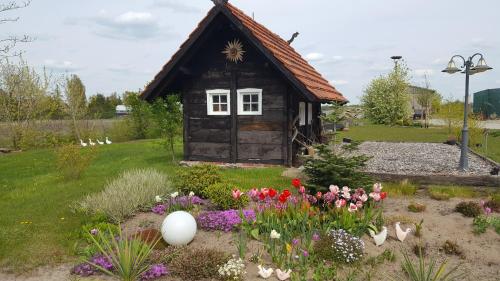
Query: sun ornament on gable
[(234, 51)]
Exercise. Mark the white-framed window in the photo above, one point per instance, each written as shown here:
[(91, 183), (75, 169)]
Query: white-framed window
[(302, 113), (218, 102), (249, 101)]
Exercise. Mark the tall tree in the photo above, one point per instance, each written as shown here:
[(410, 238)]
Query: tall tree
[(429, 100), (167, 113), (76, 101), (21, 92), (386, 99)]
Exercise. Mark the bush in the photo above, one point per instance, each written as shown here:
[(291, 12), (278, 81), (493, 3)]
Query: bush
[(198, 264), (197, 178), (72, 161), (127, 194), (339, 246), (220, 194), (416, 207), (469, 209)]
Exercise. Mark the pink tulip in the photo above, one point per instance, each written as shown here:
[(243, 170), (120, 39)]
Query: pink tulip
[(352, 208), (334, 189), (377, 187), (375, 196), (363, 197), (236, 194), (340, 203)]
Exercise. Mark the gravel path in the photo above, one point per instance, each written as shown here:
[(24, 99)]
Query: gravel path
[(419, 159)]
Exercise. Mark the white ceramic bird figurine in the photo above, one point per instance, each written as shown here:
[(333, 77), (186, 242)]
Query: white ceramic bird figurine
[(108, 141), (400, 233), (283, 275), (91, 142), (265, 273), (82, 143), (100, 142), (380, 237)]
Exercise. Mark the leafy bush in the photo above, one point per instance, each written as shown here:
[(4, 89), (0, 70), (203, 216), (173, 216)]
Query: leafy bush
[(339, 169), (197, 178), (128, 256), (469, 209), (72, 161), (220, 194), (339, 246), (198, 264), (481, 223), (127, 194)]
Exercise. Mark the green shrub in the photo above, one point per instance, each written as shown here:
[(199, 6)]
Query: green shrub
[(72, 160), (336, 168), (416, 207), (339, 246), (220, 194), (469, 209), (197, 178), (198, 264), (125, 195)]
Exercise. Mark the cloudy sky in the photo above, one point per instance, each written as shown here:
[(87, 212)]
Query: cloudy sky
[(118, 45)]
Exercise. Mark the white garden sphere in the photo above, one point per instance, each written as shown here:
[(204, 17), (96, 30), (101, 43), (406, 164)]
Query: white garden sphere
[(178, 228)]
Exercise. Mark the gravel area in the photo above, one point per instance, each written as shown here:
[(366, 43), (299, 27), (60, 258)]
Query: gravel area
[(419, 159)]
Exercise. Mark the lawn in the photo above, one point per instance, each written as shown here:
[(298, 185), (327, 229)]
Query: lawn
[(371, 132), (38, 225)]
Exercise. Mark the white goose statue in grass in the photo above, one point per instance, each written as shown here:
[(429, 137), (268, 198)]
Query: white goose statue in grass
[(400, 233), (82, 143), (283, 275), (91, 142), (265, 273), (380, 237), (108, 141), (99, 142)]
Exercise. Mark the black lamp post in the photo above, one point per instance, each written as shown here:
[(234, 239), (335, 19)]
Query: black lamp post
[(468, 68)]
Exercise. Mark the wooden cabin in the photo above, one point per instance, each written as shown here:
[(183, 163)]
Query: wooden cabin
[(247, 95)]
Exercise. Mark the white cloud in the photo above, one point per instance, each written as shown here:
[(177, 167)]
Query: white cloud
[(314, 56), (498, 81), (339, 82), (423, 72), (129, 25), (60, 66)]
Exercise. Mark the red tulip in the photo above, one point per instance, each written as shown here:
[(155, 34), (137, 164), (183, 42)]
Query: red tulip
[(282, 198), (383, 195), (262, 196), (286, 193), (296, 183), (272, 192)]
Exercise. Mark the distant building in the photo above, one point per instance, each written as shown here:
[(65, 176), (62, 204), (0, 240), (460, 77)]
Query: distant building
[(487, 103), (417, 109), (122, 110)]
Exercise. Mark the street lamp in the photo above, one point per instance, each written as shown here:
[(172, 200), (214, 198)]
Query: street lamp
[(468, 68)]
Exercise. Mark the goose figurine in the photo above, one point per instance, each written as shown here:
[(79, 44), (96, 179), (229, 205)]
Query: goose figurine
[(82, 143), (99, 142), (265, 273), (91, 142), (108, 141), (400, 233), (380, 237), (283, 275)]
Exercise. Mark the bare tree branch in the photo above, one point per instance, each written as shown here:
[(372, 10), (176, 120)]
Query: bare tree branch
[(13, 5), (8, 44)]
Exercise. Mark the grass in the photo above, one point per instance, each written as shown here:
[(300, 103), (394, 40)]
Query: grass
[(38, 225), (403, 188), (372, 132)]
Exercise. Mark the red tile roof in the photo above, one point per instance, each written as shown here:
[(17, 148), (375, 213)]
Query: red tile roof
[(298, 67), (292, 60)]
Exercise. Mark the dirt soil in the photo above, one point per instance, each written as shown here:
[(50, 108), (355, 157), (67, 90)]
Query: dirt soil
[(480, 258)]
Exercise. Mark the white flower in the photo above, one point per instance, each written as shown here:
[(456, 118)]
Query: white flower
[(191, 194), (175, 194), (275, 234), (158, 199)]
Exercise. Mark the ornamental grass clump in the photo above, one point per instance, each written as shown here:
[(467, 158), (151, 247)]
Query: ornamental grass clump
[(340, 246), (125, 195), (126, 258)]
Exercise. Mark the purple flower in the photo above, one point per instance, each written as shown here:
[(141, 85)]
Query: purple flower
[(94, 231), (102, 261), (156, 270), (83, 269), (88, 268), (223, 220), (305, 253), (295, 241), (159, 209), (487, 210), (315, 237)]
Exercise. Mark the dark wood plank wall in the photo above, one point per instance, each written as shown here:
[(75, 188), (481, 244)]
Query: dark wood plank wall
[(258, 138)]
